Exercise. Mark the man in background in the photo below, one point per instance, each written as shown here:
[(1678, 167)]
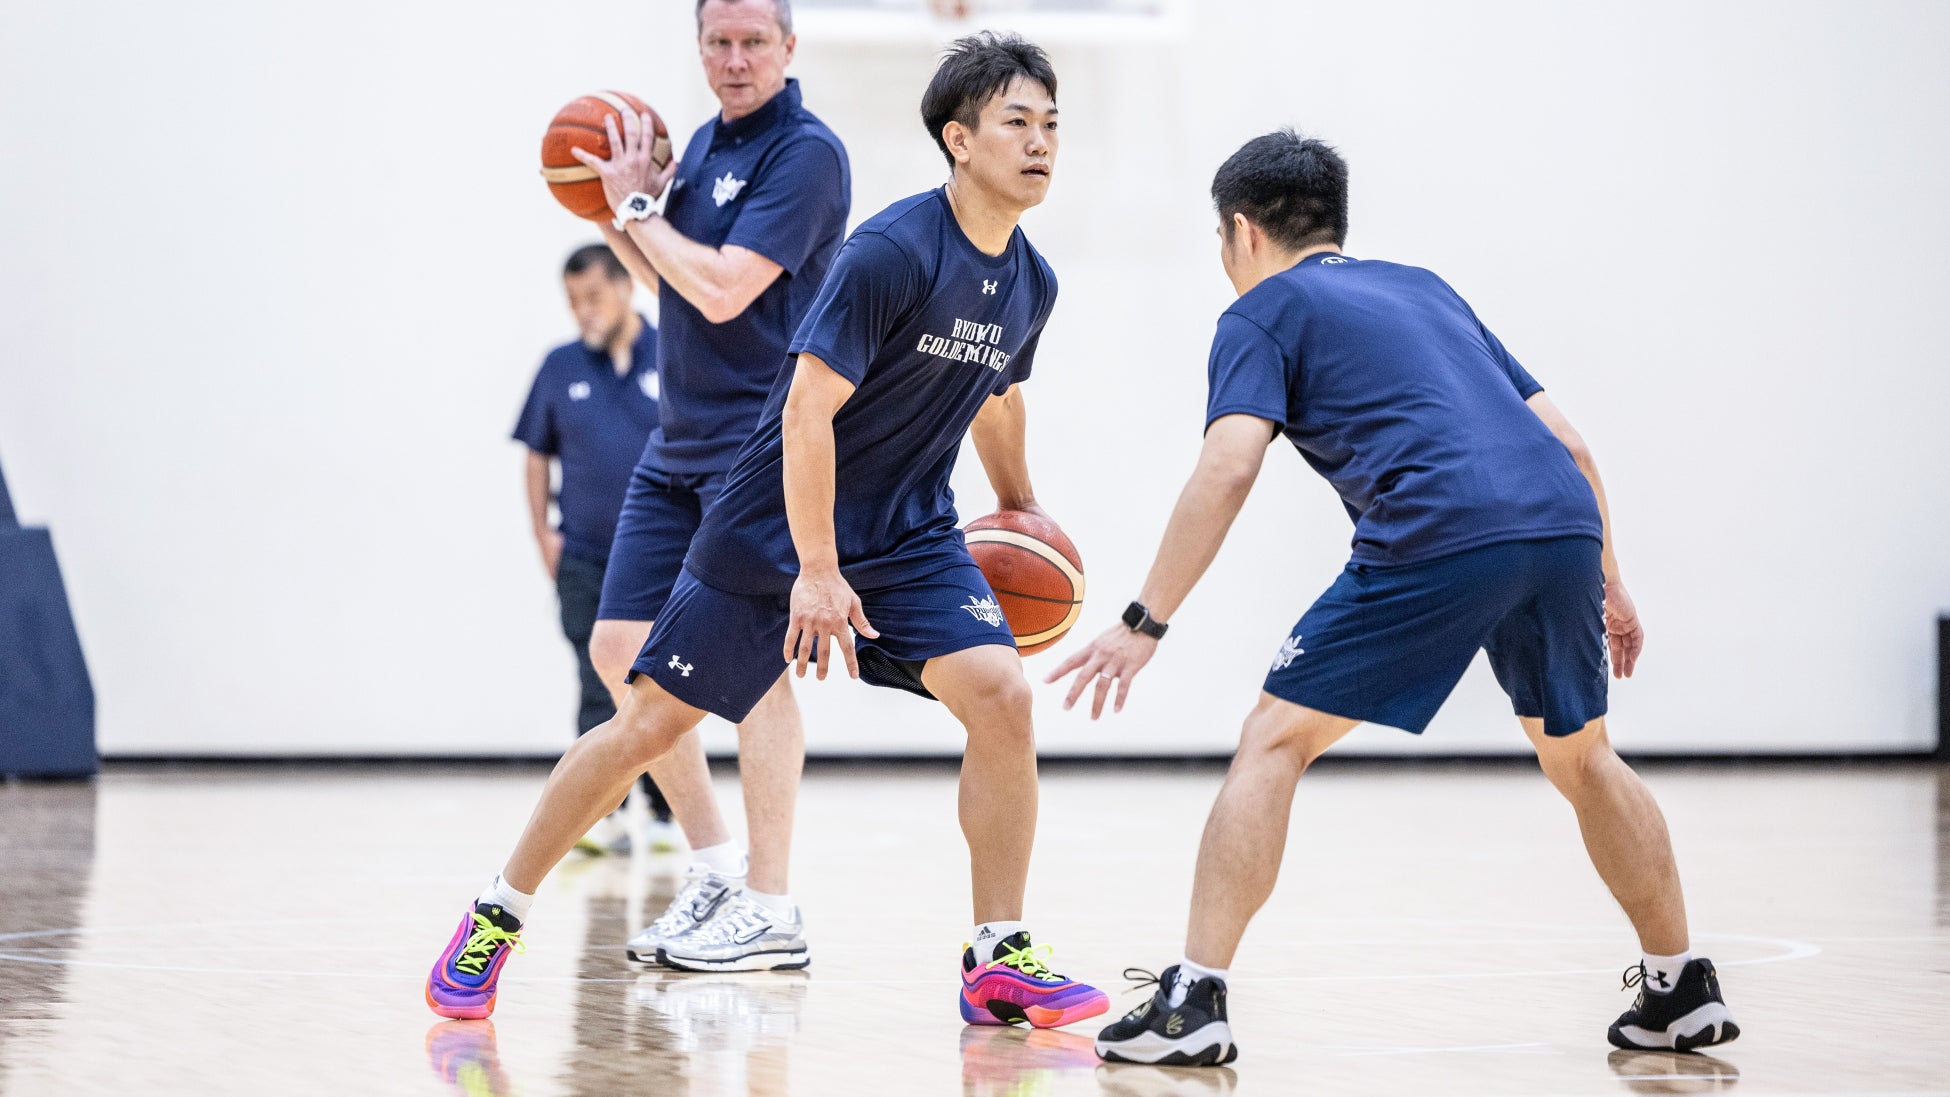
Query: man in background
[(591, 408)]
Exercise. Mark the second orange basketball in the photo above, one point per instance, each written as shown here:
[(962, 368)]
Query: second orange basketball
[(1035, 572), (580, 125)]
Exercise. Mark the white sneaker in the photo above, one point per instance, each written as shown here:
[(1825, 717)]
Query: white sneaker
[(700, 899), (743, 935), (610, 836)]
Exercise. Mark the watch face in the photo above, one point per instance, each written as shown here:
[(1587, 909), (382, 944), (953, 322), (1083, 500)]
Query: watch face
[(639, 204)]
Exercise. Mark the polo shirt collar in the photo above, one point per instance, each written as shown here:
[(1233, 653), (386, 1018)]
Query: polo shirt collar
[(764, 118), (642, 352)]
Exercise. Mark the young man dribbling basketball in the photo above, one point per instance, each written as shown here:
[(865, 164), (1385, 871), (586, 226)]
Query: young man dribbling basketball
[(836, 518), (1480, 523)]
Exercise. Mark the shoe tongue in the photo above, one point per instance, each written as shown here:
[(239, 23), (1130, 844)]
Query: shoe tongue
[(1016, 941), (499, 916)]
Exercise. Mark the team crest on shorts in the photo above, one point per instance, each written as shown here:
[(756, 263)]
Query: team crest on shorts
[(985, 611), (1289, 651)]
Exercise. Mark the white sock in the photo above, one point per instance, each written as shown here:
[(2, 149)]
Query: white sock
[(501, 894), (1189, 973), (725, 859), (989, 935), (779, 906), (1662, 972)]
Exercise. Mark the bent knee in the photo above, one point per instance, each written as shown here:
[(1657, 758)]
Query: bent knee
[(1296, 734), (614, 650)]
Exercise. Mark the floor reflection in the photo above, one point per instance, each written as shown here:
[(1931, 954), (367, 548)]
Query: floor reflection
[(45, 863), (1672, 1071), (1943, 847), (998, 1061), (1137, 1080)]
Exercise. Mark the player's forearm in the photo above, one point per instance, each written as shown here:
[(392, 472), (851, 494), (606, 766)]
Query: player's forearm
[(1198, 526), (702, 275), (537, 475), (1589, 466), (808, 474), (1001, 434), (632, 258)]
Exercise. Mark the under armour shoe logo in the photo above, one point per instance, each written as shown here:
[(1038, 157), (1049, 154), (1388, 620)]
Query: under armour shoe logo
[(579, 391), (1289, 651), (680, 666), (985, 611), (1174, 1024), (988, 287)]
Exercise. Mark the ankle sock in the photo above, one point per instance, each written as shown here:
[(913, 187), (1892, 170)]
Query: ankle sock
[(1662, 972), (779, 906), (724, 859), (1189, 973), (990, 935), (501, 894)]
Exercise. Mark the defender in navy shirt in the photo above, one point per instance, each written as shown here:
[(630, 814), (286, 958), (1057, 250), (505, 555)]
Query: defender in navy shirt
[(837, 517), (1480, 525)]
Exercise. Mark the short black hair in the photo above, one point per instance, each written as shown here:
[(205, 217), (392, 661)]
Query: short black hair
[(1294, 188), (972, 71), (595, 255), (783, 7)]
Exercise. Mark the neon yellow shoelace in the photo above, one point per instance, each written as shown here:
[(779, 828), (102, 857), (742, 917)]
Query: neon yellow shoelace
[(1026, 961), (483, 941)]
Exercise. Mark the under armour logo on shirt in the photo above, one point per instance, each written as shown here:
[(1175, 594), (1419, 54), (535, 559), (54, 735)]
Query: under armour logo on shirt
[(579, 391), (724, 190), (649, 384), (988, 287), (678, 664)]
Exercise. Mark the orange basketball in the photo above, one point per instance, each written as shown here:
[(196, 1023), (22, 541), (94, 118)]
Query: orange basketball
[(580, 125), (1035, 572)]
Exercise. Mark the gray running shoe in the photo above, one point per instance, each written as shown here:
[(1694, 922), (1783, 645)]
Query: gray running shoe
[(700, 900), (741, 936)]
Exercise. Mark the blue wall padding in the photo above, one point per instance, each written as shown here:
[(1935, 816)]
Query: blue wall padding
[(47, 706)]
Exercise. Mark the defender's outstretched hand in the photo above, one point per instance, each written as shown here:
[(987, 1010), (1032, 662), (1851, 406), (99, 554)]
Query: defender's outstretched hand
[(1622, 628), (1115, 656), (632, 165), (823, 606)]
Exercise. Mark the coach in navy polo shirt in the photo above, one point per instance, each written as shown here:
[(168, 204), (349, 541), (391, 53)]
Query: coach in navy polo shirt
[(750, 220), (591, 408)]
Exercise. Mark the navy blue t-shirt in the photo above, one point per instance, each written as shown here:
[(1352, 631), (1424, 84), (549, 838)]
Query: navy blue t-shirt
[(1391, 388), (594, 420), (927, 328), (775, 181)]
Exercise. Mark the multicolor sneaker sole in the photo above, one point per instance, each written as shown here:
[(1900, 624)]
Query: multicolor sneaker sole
[(463, 981)]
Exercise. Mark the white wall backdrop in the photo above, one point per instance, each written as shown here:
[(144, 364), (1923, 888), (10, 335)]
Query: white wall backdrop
[(273, 279)]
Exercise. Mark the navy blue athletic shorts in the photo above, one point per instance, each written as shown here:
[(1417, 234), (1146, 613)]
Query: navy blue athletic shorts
[(721, 651), (660, 515), (1388, 645)]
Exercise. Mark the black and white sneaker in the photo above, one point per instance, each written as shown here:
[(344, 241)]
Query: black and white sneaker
[(1192, 1033), (1691, 1015)]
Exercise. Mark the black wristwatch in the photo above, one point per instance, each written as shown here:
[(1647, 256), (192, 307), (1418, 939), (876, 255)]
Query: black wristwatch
[(1139, 619)]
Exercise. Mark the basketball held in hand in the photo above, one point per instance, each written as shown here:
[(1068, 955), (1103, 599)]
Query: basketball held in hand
[(580, 125), (1035, 572)]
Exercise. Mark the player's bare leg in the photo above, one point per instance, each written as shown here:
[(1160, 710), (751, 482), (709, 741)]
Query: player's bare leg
[(683, 775), (771, 758), (1245, 835), (1004, 978), (594, 775), (985, 689), (1624, 831)]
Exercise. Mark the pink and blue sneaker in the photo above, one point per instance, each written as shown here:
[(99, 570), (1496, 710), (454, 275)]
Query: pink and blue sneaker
[(1017, 986), (462, 982)]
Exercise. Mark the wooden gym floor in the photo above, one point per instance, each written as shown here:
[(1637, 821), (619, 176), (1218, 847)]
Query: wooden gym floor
[(1437, 931)]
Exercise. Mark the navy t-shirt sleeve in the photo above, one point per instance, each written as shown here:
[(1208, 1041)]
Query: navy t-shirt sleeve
[(1520, 378), (1247, 373), (872, 284), (536, 427), (1025, 360), (798, 202)]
